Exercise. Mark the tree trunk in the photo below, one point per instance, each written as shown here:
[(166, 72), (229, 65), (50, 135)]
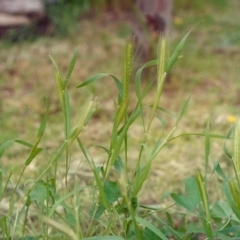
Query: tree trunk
[(154, 19)]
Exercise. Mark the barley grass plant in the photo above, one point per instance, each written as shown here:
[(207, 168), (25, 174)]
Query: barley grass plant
[(55, 205)]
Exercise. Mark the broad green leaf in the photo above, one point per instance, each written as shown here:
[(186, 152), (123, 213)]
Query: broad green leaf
[(70, 219), (119, 165), (192, 199), (40, 191), (230, 230), (101, 75), (149, 235), (70, 68), (176, 53), (230, 200), (152, 228), (112, 191), (222, 210)]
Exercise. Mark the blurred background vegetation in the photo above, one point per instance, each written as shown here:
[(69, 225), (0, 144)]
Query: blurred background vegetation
[(209, 71)]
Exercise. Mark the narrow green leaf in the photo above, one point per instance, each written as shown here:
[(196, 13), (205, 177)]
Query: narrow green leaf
[(103, 238), (54, 63), (59, 201), (166, 111), (170, 228), (44, 121), (183, 110), (207, 148), (70, 68), (67, 114), (141, 176), (138, 77), (84, 116), (103, 198), (101, 75), (119, 141), (236, 148), (4, 146), (33, 153), (229, 136), (5, 227), (151, 227), (24, 143), (176, 53), (219, 170)]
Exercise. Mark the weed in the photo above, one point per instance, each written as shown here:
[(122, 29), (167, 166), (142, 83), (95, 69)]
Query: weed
[(51, 205)]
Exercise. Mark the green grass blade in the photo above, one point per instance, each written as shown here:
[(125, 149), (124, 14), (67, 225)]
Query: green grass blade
[(236, 147), (198, 134), (99, 76), (98, 180), (84, 116), (207, 148), (166, 111), (67, 114), (54, 63), (234, 189), (204, 196), (35, 150), (219, 170), (183, 110), (60, 200), (176, 53), (70, 68), (4, 146), (104, 238), (44, 121), (119, 142), (138, 78)]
